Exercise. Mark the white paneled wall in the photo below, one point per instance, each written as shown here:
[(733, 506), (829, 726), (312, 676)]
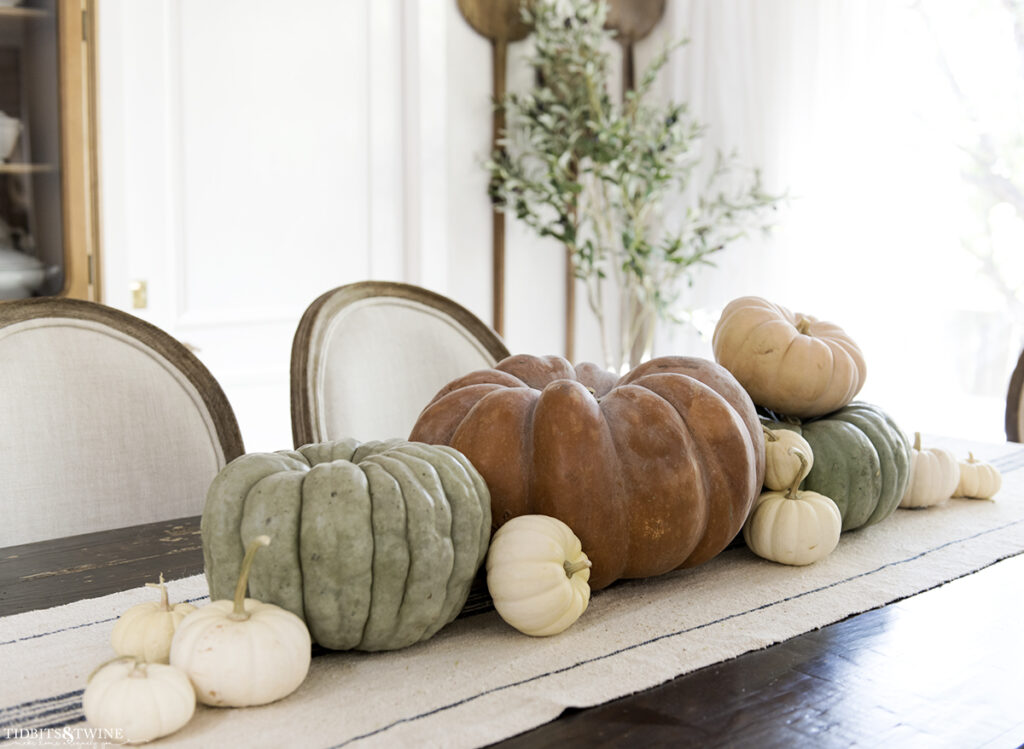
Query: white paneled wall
[(256, 154)]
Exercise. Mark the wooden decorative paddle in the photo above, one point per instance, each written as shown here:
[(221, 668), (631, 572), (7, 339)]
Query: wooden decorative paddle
[(633, 20), (499, 21)]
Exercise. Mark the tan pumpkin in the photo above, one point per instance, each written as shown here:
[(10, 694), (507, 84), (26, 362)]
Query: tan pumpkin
[(793, 364), (978, 479), (934, 475), (652, 472)]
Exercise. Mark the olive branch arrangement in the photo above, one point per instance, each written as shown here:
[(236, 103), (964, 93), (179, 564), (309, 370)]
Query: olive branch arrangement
[(595, 174)]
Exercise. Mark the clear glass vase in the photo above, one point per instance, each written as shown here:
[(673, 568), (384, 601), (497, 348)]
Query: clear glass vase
[(638, 321)]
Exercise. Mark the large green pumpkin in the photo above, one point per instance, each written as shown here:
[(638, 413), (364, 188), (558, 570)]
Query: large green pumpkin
[(861, 461), (373, 545)]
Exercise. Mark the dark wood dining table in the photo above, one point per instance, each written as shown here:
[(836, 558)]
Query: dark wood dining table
[(941, 668)]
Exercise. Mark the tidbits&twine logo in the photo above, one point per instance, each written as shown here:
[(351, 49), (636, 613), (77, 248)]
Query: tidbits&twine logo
[(64, 736)]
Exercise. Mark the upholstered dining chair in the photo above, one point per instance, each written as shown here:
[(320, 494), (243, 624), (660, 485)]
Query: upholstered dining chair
[(1015, 404), (367, 357), (105, 422)]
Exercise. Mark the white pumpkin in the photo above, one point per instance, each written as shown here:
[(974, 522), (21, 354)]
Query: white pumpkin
[(978, 479), (782, 465), (145, 631), (793, 527), (242, 652), (934, 475), (138, 701), (538, 575)]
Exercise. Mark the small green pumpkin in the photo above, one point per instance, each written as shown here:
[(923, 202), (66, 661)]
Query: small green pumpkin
[(375, 545), (861, 461)]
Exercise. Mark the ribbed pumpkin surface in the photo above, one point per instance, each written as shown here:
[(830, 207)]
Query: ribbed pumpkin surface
[(861, 461), (373, 545), (652, 472)]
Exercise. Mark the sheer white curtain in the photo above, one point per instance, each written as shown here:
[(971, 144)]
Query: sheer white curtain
[(848, 106)]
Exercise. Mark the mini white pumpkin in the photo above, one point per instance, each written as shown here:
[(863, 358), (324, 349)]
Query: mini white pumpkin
[(138, 701), (242, 652), (145, 631), (781, 464), (934, 475), (978, 479), (793, 527), (538, 575)]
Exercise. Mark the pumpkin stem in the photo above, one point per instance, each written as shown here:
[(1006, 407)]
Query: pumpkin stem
[(971, 458), (239, 613), (106, 663), (917, 441), (792, 492), (803, 325), (571, 568), (165, 604), (769, 434)]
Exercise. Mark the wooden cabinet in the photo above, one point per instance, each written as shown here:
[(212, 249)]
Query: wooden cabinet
[(48, 184)]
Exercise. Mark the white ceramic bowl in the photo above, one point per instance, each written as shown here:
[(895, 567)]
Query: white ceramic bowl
[(20, 274), (10, 129)]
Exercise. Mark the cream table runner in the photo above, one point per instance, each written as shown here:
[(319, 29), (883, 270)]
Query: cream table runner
[(479, 681)]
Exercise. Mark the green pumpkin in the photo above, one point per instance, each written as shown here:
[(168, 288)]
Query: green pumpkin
[(861, 461), (373, 545)]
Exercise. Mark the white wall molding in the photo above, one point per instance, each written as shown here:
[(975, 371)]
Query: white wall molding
[(255, 156), (239, 316), (425, 126), (384, 81), (174, 259)]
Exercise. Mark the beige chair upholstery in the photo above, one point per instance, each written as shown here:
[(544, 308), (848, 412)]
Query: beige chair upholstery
[(105, 422), (369, 356), (1015, 404)]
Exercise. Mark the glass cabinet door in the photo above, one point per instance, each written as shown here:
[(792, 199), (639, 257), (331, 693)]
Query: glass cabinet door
[(47, 173)]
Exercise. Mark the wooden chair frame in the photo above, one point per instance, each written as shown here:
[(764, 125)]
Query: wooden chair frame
[(153, 338), (1013, 402), (309, 336)]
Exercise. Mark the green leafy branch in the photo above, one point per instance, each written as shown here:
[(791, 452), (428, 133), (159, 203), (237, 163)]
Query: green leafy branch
[(596, 174)]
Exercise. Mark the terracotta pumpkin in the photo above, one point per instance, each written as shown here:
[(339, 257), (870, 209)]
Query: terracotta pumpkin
[(654, 471), (791, 363)]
